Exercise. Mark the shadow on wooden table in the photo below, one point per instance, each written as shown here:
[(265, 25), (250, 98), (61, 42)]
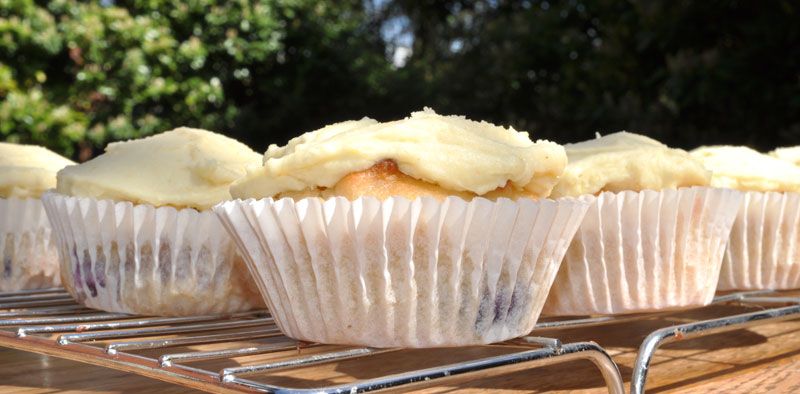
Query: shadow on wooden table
[(755, 364), (631, 334), (573, 375)]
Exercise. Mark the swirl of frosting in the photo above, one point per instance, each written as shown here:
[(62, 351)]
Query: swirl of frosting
[(180, 168), (26, 171), (452, 152), (742, 168), (787, 153), (627, 161)]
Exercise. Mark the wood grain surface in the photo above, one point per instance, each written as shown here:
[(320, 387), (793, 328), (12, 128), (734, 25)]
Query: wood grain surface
[(757, 360)]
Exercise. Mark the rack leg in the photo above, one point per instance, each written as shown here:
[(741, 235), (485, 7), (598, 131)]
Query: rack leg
[(699, 329), (608, 368)]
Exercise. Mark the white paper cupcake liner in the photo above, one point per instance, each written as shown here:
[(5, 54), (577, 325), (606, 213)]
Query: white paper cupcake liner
[(645, 251), (764, 247), (396, 272), (137, 258), (27, 248)]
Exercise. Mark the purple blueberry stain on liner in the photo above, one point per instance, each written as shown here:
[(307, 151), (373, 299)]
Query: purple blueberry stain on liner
[(501, 312), (100, 270), (493, 313), (87, 268), (8, 256), (486, 311), (77, 279), (7, 266)]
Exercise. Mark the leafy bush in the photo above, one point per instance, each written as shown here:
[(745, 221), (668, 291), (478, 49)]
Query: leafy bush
[(78, 74), (75, 75), (686, 72)]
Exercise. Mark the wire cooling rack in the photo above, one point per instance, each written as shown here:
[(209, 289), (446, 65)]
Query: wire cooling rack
[(253, 352), (49, 322)]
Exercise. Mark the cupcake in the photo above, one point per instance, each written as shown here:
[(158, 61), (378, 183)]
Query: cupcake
[(654, 235), (135, 232), (764, 249), (431, 155), (422, 232), (30, 260)]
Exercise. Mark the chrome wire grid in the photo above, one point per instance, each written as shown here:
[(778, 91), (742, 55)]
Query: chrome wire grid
[(50, 322), (771, 307)]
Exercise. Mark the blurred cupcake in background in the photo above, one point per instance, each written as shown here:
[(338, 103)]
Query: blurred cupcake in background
[(764, 249), (27, 249), (654, 236), (135, 232), (420, 232)]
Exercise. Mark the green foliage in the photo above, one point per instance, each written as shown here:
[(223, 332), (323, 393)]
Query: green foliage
[(75, 72), (686, 72), (75, 75)]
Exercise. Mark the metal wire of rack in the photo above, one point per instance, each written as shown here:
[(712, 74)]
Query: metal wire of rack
[(48, 322), (772, 308)]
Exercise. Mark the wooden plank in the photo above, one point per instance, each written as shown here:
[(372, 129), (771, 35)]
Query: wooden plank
[(29, 373)]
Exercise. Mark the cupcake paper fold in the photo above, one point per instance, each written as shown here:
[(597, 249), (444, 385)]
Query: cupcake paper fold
[(763, 252), (27, 248), (141, 259), (397, 272), (645, 251)]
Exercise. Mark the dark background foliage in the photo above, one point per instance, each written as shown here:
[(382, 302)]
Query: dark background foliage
[(75, 75)]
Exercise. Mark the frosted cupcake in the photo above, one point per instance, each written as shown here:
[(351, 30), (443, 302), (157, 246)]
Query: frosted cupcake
[(654, 237), (135, 232), (428, 233), (763, 252), (29, 257)]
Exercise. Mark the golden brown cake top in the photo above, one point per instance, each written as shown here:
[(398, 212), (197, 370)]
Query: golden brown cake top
[(627, 161), (26, 171), (742, 168), (180, 168), (452, 152)]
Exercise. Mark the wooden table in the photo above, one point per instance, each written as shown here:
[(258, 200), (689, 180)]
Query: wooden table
[(760, 359)]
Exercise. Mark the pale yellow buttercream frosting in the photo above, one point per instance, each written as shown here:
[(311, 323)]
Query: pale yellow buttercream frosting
[(742, 168), (180, 168), (790, 154), (26, 171), (627, 161), (450, 151)]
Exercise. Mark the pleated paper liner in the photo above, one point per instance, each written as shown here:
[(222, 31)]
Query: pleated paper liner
[(645, 251), (30, 259), (141, 259), (396, 272), (764, 249)]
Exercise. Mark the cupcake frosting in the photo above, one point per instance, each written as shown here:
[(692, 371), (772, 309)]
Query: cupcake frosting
[(451, 151), (790, 154), (180, 168), (26, 171), (627, 161), (739, 167)]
